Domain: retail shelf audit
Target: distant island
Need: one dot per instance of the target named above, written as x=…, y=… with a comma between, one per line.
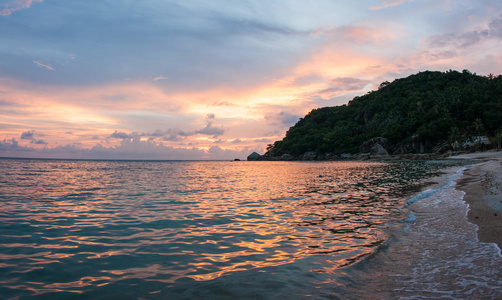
x=427, y=114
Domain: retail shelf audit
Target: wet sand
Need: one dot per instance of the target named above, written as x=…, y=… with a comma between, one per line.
x=482, y=184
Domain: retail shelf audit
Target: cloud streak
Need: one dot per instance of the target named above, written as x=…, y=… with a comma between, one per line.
x=42, y=65
x=389, y=3
x=8, y=7
x=466, y=39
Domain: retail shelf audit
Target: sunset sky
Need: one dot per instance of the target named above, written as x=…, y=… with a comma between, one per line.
x=161, y=79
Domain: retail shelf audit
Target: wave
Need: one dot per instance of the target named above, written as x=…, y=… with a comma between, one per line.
x=435, y=254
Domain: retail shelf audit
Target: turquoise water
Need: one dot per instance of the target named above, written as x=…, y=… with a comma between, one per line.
x=227, y=230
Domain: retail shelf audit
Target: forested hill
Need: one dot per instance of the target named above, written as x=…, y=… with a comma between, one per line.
x=427, y=109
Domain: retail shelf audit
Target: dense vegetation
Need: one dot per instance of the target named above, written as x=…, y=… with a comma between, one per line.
x=427, y=109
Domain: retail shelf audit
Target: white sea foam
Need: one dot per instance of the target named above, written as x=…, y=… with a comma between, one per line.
x=441, y=255
x=435, y=254
x=447, y=182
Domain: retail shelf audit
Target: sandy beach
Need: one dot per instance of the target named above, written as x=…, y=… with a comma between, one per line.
x=482, y=184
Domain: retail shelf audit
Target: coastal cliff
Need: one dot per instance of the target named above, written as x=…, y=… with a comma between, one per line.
x=429, y=113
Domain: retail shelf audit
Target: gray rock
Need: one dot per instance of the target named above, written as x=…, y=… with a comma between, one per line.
x=254, y=156
x=363, y=156
x=345, y=155
x=287, y=156
x=331, y=156
x=366, y=146
x=378, y=150
x=309, y=156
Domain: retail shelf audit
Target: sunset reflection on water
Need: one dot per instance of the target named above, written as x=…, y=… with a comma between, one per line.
x=87, y=226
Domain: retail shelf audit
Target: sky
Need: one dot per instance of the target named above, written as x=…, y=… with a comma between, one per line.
x=218, y=79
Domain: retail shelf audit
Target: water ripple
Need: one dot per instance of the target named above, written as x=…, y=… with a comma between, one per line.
x=106, y=228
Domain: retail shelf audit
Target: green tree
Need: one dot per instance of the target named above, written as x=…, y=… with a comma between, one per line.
x=431, y=108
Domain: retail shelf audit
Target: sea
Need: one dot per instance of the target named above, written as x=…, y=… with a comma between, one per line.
x=83, y=229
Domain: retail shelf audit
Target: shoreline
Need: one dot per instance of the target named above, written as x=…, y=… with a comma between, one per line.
x=482, y=185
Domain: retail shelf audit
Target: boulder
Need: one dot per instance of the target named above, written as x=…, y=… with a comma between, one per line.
x=345, y=155
x=287, y=156
x=330, y=156
x=402, y=149
x=366, y=146
x=254, y=156
x=309, y=155
x=363, y=156
x=378, y=150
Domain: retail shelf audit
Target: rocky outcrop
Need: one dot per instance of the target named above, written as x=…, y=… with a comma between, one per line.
x=309, y=156
x=330, y=156
x=287, y=157
x=363, y=156
x=254, y=156
x=367, y=146
x=378, y=151
x=374, y=148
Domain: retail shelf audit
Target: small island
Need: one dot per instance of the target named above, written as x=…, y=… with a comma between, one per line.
x=427, y=115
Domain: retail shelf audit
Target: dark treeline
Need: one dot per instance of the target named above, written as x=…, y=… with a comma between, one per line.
x=430, y=109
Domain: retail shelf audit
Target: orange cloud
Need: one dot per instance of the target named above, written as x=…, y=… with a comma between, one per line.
x=88, y=116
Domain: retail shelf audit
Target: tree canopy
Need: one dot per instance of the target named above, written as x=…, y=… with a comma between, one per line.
x=429, y=107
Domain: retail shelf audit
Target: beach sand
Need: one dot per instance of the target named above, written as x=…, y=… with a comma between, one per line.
x=482, y=184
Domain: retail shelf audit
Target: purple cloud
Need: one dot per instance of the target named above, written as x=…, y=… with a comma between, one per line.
x=38, y=142
x=27, y=135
